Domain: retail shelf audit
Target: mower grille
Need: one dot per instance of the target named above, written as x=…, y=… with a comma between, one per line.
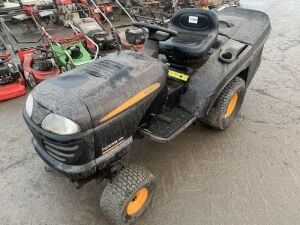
x=107, y=68
x=62, y=153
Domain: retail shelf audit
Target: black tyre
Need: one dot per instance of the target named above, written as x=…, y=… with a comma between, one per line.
x=227, y=105
x=31, y=81
x=70, y=66
x=63, y=69
x=128, y=195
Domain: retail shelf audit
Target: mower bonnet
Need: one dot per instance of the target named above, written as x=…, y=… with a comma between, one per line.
x=89, y=93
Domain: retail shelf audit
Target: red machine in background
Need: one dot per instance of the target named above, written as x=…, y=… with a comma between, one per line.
x=106, y=8
x=66, y=11
x=4, y=53
x=93, y=29
x=12, y=83
x=132, y=39
x=109, y=12
x=38, y=64
x=34, y=11
x=30, y=10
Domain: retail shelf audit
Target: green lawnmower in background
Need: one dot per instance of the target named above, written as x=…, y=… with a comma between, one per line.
x=68, y=50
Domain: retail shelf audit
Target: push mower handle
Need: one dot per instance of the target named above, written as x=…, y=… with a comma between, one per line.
x=153, y=28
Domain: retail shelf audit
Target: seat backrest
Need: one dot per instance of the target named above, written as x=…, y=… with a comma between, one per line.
x=195, y=22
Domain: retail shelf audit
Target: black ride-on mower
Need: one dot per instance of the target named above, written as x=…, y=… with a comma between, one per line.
x=198, y=69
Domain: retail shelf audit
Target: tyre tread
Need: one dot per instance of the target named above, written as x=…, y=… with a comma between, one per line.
x=213, y=118
x=118, y=191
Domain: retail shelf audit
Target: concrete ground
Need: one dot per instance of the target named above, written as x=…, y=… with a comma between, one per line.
x=247, y=175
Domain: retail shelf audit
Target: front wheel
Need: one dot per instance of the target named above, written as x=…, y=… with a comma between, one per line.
x=128, y=195
x=227, y=105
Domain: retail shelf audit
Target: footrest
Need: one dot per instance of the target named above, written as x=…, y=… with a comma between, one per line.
x=164, y=131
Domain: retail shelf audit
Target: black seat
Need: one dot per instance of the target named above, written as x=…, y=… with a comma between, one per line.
x=197, y=32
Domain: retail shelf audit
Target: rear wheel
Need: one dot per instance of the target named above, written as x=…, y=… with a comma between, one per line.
x=227, y=105
x=128, y=195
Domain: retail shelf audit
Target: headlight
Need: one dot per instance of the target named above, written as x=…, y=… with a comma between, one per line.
x=29, y=105
x=60, y=125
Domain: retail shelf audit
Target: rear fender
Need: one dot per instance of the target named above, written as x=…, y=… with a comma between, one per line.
x=246, y=72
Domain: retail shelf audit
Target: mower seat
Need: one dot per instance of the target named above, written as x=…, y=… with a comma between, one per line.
x=197, y=32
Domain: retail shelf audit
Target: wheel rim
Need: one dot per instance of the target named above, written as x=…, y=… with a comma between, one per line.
x=232, y=105
x=138, y=201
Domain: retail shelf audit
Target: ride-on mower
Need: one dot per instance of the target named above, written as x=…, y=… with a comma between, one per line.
x=12, y=83
x=198, y=69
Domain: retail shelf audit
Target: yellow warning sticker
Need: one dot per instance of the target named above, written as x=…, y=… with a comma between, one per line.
x=177, y=75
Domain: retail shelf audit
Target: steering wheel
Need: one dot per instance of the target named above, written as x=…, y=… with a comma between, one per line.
x=153, y=28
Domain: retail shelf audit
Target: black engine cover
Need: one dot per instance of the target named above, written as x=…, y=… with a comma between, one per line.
x=41, y=61
x=135, y=36
x=4, y=69
x=8, y=73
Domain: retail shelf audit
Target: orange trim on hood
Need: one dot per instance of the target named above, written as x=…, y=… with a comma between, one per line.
x=132, y=101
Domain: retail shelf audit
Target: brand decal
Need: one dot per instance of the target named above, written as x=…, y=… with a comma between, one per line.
x=111, y=146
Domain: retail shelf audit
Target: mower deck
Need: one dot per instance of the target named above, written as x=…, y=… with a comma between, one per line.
x=12, y=90
x=62, y=58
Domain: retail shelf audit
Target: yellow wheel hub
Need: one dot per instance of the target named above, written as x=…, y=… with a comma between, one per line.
x=137, y=202
x=232, y=105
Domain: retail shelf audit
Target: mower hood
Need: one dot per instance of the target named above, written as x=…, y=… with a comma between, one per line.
x=88, y=93
x=49, y=98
